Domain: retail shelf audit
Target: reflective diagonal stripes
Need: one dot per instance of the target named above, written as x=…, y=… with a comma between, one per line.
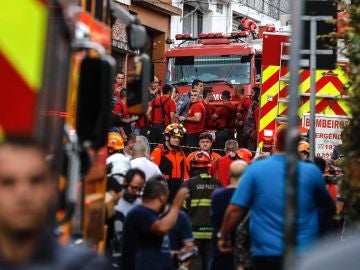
x=22, y=38
x=329, y=83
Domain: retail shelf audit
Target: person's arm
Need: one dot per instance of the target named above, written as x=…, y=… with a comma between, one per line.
x=172, y=117
x=148, y=114
x=155, y=156
x=195, y=118
x=123, y=133
x=231, y=218
x=181, y=104
x=164, y=225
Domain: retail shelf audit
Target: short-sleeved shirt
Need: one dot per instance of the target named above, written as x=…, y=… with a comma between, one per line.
x=243, y=107
x=181, y=232
x=262, y=189
x=226, y=115
x=121, y=108
x=220, y=169
x=168, y=105
x=209, y=111
x=139, y=240
x=196, y=127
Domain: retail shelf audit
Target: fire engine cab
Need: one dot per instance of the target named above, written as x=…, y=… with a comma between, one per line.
x=221, y=61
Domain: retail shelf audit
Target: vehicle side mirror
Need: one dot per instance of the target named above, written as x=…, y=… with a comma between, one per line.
x=94, y=100
x=136, y=36
x=138, y=85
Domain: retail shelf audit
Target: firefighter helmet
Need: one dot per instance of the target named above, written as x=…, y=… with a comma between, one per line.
x=304, y=146
x=244, y=154
x=115, y=141
x=117, y=167
x=201, y=159
x=175, y=129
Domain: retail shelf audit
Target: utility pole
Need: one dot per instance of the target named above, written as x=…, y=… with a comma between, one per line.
x=297, y=7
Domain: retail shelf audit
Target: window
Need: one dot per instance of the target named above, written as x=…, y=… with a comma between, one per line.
x=192, y=20
x=234, y=69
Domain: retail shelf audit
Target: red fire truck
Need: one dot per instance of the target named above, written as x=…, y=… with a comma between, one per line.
x=332, y=110
x=221, y=61
x=56, y=85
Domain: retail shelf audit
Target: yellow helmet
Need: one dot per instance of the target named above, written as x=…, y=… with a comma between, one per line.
x=115, y=141
x=175, y=129
x=304, y=146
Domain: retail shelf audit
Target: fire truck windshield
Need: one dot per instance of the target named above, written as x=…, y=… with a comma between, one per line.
x=231, y=69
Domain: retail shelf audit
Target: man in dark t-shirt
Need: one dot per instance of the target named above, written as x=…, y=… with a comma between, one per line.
x=146, y=244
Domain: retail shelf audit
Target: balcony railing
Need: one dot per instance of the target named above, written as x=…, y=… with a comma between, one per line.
x=271, y=8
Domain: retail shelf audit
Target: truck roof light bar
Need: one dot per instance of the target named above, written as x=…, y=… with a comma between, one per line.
x=183, y=37
x=239, y=34
x=211, y=35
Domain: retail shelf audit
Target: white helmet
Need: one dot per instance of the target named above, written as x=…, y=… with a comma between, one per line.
x=117, y=166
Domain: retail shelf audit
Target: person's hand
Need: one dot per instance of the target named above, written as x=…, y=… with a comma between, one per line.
x=182, y=118
x=181, y=195
x=224, y=245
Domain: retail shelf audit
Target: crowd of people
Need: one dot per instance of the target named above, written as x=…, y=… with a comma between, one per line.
x=170, y=207
x=235, y=118
x=185, y=158
x=192, y=207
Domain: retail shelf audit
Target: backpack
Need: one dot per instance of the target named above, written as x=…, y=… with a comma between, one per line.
x=249, y=123
x=161, y=107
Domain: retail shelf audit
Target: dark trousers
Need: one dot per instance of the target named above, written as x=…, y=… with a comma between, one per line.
x=222, y=261
x=191, y=140
x=201, y=261
x=241, y=138
x=221, y=136
x=267, y=262
x=144, y=131
x=156, y=135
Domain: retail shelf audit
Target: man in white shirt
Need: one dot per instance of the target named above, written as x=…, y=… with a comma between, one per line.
x=141, y=162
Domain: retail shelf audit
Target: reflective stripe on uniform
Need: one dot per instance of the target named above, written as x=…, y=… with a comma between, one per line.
x=202, y=235
x=200, y=202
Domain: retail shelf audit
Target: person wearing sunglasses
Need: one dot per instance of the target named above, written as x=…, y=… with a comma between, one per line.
x=134, y=181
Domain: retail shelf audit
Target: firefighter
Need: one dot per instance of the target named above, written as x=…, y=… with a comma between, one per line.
x=225, y=116
x=220, y=167
x=208, y=96
x=205, y=143
x=120, y=108
x=119, y=83
x=243, y=106
x=161, y=113
x=154, y=88
x=170, y=158
x=251, y=122
x=194, y=122
x=304, y=150
x=182, y=106
x=201, y=185
x=115, y=143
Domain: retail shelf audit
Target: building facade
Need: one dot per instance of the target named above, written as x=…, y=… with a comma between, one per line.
x=156, y=17
x=225, y=15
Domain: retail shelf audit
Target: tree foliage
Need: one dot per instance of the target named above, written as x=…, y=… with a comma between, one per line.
x=351, y=140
